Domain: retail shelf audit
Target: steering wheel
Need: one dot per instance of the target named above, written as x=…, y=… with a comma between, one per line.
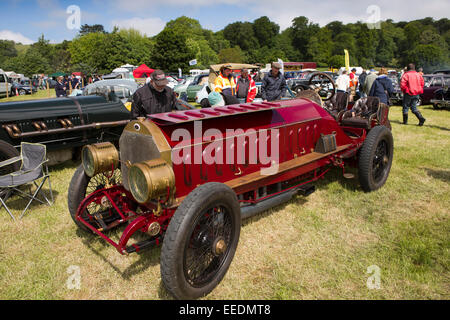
x=323, y=84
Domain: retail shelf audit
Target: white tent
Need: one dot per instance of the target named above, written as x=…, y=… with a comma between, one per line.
x=121, y=70
x=12, y=74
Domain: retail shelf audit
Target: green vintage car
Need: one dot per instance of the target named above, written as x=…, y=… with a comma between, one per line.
x=196, y=86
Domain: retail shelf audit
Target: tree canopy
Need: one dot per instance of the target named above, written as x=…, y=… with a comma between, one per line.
x=424, y=42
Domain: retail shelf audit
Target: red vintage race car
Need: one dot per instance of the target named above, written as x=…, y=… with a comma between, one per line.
x=188, y=178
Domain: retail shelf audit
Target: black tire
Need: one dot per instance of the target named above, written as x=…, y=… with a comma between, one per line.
x=22, y=92
x=186, y=234
x=375, y=158
x=81, y=186
x=7, y=151
x=77, y=193
x=205, y=103
x=436, y=106
x=298, y=89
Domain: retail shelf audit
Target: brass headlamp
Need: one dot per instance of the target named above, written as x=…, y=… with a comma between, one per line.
x=151, y=180
x=99, y=158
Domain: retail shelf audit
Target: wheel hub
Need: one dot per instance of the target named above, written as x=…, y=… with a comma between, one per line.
x=219, y=246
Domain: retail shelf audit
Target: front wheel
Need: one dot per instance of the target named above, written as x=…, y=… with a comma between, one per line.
x=200, y=241
x=81, y=186
x=375, y=159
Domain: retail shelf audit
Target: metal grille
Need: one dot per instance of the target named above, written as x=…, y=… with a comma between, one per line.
x=135, y=147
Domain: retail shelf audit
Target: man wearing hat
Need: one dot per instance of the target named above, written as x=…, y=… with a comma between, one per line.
x=274, y=84
x=226, y=85
x=154, y=97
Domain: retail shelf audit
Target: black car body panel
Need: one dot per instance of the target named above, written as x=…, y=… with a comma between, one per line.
x=44, y=121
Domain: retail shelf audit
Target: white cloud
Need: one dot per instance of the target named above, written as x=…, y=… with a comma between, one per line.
x=148, y=26
x=15, y=36
x=347, y=11
x=283, y=11
x=139, y=5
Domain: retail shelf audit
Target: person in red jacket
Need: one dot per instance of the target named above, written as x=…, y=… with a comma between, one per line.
x=412, y=86
x=246, y=87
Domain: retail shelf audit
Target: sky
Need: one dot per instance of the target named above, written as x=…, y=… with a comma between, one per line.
x=25, y=21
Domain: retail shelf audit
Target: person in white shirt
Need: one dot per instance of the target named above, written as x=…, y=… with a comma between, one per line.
x=343, y=82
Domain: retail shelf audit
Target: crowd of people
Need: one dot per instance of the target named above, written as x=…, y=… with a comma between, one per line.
x=243, y=87
x=380, y=85
x=157, y=97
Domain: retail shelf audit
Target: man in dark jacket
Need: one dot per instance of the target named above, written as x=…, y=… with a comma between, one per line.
x=154, y=97
x=60, y=88
x=382, y=87
x=274, y=84
x=362, y=79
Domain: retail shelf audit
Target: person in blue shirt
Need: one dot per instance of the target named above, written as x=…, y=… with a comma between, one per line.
x=382, y=87
x=75, y=83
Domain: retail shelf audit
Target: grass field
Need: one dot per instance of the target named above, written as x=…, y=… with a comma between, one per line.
x=319, y=247
x=40, y=94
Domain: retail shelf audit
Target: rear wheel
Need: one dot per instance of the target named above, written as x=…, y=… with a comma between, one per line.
x=375, y=158
x=22, y=92
x=298, y=90
x=200, y=241
x=7, y=151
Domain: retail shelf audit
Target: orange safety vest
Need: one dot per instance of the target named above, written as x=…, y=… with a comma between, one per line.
x=225, y=85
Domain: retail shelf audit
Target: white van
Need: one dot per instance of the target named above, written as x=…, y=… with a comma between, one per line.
x=5, y=84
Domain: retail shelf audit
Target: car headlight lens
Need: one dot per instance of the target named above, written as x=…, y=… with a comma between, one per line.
x=99, y=158
x=150, y=180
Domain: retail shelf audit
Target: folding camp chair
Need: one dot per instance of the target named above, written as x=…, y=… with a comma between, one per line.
x=33, y=167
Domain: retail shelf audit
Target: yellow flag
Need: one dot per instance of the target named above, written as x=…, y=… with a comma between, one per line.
x=347, y=60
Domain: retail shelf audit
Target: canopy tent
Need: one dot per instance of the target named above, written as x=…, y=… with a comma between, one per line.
x=214, y=69
x=56, y=74
x=141, y=70
x=76, y=74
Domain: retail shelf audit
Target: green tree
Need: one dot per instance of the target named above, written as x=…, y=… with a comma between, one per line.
x=96, y=28
x=429, y=56
x=265, y=31
x=90, y=50
x=7, y=50
x=366, y=44
x=320, y=46
x=336, y=61
x=241, y=34
x=302, y=31
x=203, y=53
x=60, y=59
x=190, y=28
x=232, y=55
x=28, y=63
x=171, y=52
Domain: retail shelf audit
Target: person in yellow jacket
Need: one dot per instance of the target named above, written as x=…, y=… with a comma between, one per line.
x=225, y=83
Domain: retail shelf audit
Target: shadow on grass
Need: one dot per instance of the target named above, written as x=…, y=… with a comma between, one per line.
x=147, y=258
x=425, y=125
x=443, y=175
x=16, y=202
